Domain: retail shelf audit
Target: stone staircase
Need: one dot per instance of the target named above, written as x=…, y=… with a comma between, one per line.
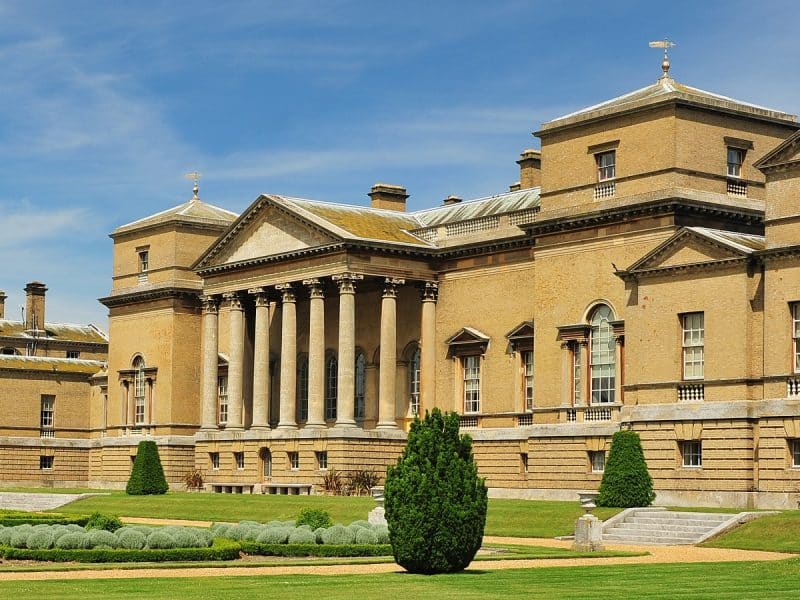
x=658, y=526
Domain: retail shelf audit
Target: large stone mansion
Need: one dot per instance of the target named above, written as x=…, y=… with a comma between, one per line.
x=303, y=336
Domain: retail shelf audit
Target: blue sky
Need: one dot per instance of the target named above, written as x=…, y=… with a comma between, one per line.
x=105, y=105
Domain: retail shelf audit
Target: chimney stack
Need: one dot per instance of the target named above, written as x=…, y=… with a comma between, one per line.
x=34, y=306
x=388, y=196
x=452, y=200
x=530, y=168
x=3, y=304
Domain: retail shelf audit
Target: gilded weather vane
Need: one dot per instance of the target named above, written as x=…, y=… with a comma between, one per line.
x=666, y=45
x=195, y=176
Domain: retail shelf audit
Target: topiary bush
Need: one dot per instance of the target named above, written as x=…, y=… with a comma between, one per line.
x=366, y=536
x=39, y=540
x=147, y=476
x=314, y=518
x=302, y=536
x=73, y=541
x=161, y=540
x=131, y=539
x=273, y=535
x=338, y=535
x=626, y=482
x=381, y=533
x=102, y=538
x=101, y=521
x=435, y=501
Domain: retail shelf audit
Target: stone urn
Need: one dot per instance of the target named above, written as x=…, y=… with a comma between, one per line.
x=588, y=501
x=377, y=516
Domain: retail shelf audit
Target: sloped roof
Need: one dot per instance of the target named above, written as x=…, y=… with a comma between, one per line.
x=192, y=211
x=62, y=332
x=51, y=365
x=480, y=207
x=784, y=153
x=667, y=89
x=741, y=242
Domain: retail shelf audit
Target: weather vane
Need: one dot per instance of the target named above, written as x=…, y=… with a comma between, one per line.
x=666, y=45
x=195, y=176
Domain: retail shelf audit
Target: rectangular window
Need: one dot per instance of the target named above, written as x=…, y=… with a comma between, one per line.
x=735, y=161
x=48, y=411
x=693, y=345
x=239, y=458
x=73, y=354
x=222, y=399
x=794, y=451
x=214, y=456
x=294, y=461
x=144, y=264
x=322, y=461
x=472, y=383
x=692, y=453
x=523, y=462
x=331, y=388
x=527, y=362
x=606, y=165
x=46, y=463
x=576, y=374
x=598, y=461
x=796, y=335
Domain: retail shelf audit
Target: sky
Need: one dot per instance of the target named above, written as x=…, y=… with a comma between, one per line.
x=105, y=106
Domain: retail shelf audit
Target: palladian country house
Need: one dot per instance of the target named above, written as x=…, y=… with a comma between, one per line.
x=643, y=274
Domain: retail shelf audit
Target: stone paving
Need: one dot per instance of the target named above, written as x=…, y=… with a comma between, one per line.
x=35, y=501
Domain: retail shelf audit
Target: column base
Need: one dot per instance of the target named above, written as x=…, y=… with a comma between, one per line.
x=287, y=426
x=391, y=425
x=234, y=428
x=315, y=425
x=261, y=427
x=345, y=424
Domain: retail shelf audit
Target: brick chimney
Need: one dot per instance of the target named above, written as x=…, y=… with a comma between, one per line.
x=3, y=304
x=452, y=200
x=530, y=169
x=34, y=306
x=388, y=196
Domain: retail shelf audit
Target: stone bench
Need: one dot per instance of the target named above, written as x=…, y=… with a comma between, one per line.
x=287, y=489
x=230, y=488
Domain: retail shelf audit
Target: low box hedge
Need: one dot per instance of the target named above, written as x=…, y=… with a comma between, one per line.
x=221, y=549
x=10, y=518
x=321, y=550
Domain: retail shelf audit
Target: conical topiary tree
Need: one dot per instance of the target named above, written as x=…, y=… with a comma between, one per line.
x=435, y=502
x=626, y=482
x=147, y=475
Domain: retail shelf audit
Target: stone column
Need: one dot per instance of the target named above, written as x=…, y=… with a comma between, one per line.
x=236, y=362
x=210, y=364
x=388, y=366
x=619, y=341
x=123, y=388
x=586, y=375
x=288, y=393
x=316, y=354
x=261, y=382
x=567, y=384
x=346, y=393
x=427, y=359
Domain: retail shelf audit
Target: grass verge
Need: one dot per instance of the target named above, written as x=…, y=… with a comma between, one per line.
x=772, y=533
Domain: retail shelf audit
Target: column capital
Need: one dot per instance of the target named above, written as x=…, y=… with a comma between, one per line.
x=566, y=345
x=234, y=300
x=347, y=282
x=314, y=288
x=210, y=304
x=619, y=339
x=287, y=292
x=390, y=287
x=429, y=291
x=261, y=295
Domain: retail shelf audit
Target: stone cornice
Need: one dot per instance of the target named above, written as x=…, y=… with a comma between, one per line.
x=685, y=268
x=150, y=294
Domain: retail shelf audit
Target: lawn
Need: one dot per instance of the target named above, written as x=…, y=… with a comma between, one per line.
x=695, y=581
x=776, y=533
x=519, y=518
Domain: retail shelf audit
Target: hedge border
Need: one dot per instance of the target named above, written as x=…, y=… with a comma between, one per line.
x=12, y=520
x=221, y=549
x=320, y=550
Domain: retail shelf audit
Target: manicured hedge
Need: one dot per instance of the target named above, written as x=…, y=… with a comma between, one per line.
x=316, y=549
x=147, y=475
x=10, y=518
x=220, y=550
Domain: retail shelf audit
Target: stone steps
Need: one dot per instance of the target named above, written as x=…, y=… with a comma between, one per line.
x=663, y=527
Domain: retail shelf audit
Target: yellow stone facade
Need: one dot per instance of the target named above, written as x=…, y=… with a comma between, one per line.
x=642, y=274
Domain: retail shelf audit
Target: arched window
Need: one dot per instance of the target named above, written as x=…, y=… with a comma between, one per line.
x=331, y=387
x=8, y=351
x=361, y=387
x=302, y=389
x=138, y=391
x=413, y=382
x=602, y=369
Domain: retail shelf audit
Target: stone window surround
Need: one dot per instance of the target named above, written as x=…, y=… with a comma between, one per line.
x=691, y=453
x=126, y=380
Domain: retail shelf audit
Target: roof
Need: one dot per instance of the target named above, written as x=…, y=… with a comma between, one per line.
x=51, y=365
x=664, y=90
x=61, y=332
x=192, y=211
x=741, y=242
x=480, y=207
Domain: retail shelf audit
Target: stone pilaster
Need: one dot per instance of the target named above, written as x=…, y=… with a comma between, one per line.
x=347, y=349
x=236, y=362
x=427, y=359
x=388, y=357
x=586, y=375
x=619, y=343
x=316, y=354
x=288, y=391
x=566, y=374
x=210, y=364
x=261, y=382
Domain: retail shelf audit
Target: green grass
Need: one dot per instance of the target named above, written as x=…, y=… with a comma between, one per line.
x=696, y=581
x=775, y=533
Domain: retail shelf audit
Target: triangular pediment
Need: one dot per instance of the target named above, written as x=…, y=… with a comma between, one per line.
x=522, y=331
x=694, y=246
x=785, y=154
x=267, y=228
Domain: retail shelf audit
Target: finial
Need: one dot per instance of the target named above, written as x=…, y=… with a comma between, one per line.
x=666, y=45
x=195, y=176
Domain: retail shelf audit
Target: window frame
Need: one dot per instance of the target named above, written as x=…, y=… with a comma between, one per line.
x=734, y=170
x=602, y=368
x=238, y=460
x=608, y=171
x=47, y=413
x=794, y=452
x=471, y=385
x=694, y=347
x=143, y=263
x=414, y=374
x=213, y=458
x=266, y=463
x=46, y=462
x=322, y=460
x=222, y=399
x=360, y=388
x=527, y=379
x=294, y=460
x=577, y=374
x=593, y=463
x=302, y=389
x=691, y=452
x=75, y=354
x=139, y=391
x=795, y=309
x=331, y=387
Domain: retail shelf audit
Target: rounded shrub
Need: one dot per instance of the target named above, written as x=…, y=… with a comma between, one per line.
x=362, y=524
x=243, y=532
x=160, y=540
x=366, y=536
x=186, y=539
x=40, y=540
x=102, y=521
x=626, y=482
x=19, y=537
x=318, y=534
x=5, y=535
x=147, y=475
x=314, y=518
x=278, y=524
x=381, y=534
x=101, y=537
x=73, y=541
x=131, y=539
x=220, y=529
x=338, y=535
x=273, y=535
x=302, y=536
x=435, y=501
